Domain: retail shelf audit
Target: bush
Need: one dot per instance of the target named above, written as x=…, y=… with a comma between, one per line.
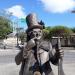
x=60, y=31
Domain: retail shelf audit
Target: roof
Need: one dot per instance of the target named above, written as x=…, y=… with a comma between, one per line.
x=73, y=34
x=11, y=35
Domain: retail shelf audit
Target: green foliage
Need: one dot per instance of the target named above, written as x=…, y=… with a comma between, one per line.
x=48, y=28
x=56, y=31
x=60, y=31
x=46, y=32
x=73, y=29
x=22, y=37
x=5, y=27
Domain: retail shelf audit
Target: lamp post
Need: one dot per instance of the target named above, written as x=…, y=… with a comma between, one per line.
x=17, y=37
x=16, y=30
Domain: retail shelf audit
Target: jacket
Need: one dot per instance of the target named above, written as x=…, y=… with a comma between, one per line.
x=44, y=46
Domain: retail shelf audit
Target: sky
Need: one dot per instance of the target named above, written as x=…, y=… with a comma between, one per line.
x=51, y=12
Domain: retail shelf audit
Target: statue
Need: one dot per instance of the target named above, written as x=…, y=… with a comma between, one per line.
x=38, y=53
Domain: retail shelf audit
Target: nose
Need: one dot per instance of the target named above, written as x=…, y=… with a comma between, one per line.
x=36, y=35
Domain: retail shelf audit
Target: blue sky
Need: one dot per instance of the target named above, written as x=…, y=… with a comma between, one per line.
x=52, y=12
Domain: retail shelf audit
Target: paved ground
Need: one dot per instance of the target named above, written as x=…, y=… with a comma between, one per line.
x=68, y=63
x=8, y=66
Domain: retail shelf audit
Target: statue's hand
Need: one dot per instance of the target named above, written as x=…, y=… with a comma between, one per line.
x=30, y=44
x=60, y=53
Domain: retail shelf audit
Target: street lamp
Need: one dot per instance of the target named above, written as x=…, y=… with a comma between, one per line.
x=15, y=29
x=18, y=29
x=17, y=37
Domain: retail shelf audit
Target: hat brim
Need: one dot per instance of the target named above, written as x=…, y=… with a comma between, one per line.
x=34, y=27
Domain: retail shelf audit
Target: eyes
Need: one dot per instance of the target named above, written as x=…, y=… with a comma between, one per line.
x=35, y=32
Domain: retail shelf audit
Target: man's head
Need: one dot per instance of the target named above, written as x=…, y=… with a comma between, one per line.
x=32, y=22
x=34, y=27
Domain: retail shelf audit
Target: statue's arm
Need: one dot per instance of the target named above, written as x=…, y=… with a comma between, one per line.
x=27, y=49
x=54, y=56
x=54, y=59
x=19, y=57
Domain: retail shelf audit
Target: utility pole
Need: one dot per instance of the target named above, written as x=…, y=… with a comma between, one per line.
x=17, y=37
x=17, y=30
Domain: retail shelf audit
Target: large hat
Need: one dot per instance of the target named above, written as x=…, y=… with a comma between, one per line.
x=32, y=22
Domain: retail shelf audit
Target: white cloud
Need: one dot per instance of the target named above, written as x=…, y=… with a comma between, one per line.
x=58, y=6
x=17, y=11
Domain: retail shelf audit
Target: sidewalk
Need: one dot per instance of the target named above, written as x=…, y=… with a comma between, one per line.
x=9, y=69
x=13, y=69
x=9, y=51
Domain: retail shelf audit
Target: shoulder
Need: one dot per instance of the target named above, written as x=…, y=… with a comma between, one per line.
x=46, y=45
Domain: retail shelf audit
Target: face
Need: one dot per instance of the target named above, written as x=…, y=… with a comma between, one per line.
x=36, y=33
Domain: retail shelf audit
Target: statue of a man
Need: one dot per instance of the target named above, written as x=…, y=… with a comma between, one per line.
x=37, y=53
